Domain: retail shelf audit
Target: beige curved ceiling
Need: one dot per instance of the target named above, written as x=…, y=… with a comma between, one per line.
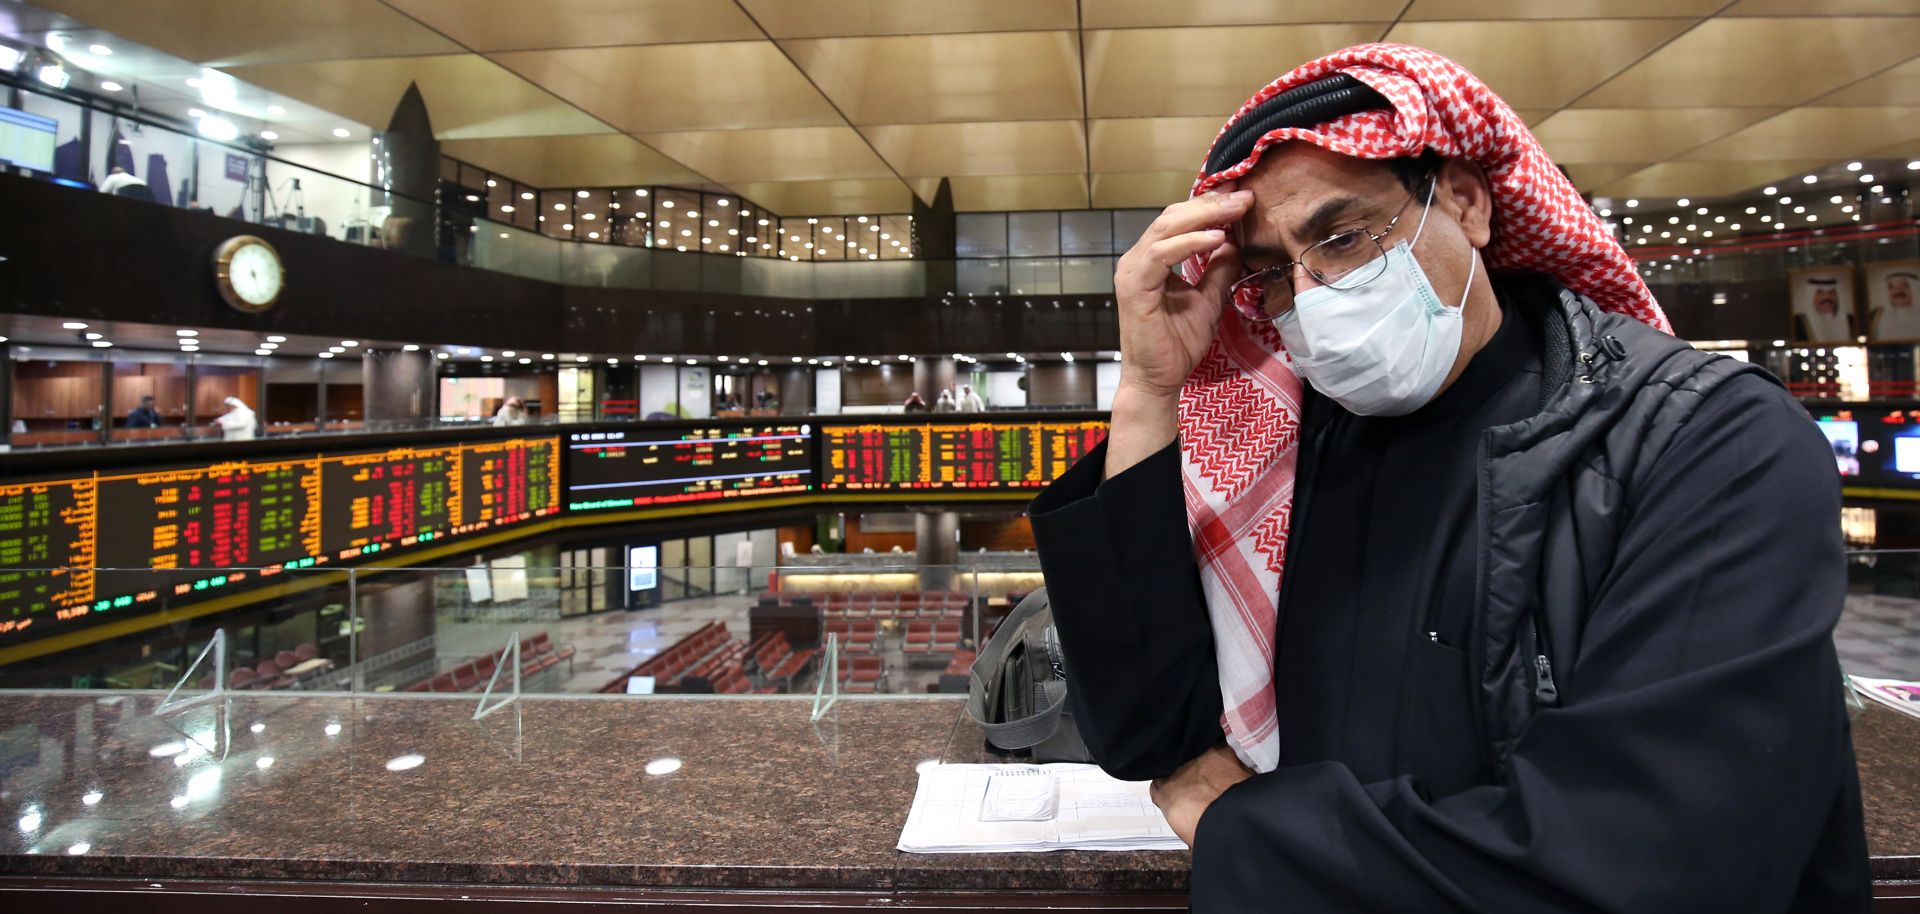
x=855, y=105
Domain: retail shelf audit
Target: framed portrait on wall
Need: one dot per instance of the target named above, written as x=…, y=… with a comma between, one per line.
x=1823, y=305
x=1892, y=310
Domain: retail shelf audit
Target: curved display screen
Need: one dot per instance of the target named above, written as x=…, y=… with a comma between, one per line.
x=649, y=467
x=273, y=514
x=952, y=456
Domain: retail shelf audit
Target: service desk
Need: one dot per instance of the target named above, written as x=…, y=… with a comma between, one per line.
x=407, y=803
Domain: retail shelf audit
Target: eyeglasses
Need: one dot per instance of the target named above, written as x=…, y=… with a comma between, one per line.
x=1345, y=261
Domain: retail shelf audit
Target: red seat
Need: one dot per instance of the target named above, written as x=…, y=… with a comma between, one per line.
x=863, y=674
x=420, y=686
x=286, y=660
x=306, y=652
x=946, y=635
x=465, y=676
x=442, y=683
x=795, y=663
x=240, y=678
x=861, y=638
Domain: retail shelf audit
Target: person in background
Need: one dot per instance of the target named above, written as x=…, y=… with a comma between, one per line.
x=122, y=183
x=238, y=422
x=970, y=402
x=512, y=412
x=144, y=415
x=733, y=401
x=914, y=404
x=945, y=403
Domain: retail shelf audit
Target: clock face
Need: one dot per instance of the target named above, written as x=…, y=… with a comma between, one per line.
x=250, y=274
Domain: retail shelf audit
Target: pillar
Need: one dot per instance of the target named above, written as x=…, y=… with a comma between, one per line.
x=932, y=375
x=406, y=164
x=397, y=387
x=936, y=543
x=934, y=235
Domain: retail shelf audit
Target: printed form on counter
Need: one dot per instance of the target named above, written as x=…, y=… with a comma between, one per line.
x=1900, y=695
x=988, y=809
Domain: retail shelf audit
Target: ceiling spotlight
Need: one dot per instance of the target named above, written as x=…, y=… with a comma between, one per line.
x=1809, y=179
x=219, y=129
x=581, y=194
x=328, y=355
x=486, y=358
x=101, y=344
x=342, y=132
x=442, y=355
x=275, y=110
x=1770, y=190
x=186, y=333
x=547, y=355
x=263, y=352
x=269, y=135
x=525, y=361
x=74, y=325
x=641, y=192
x=723, y=202
x=1681, y=202
x=1854, y=166
x=410, y=347
x=336, y=349
x=109, y=85
x=269, y=345
x=349, y=343
x=579, y=358
x=271, y=339
x=1632, y=203
x=95, y=336
x=189, y=347
x=1866, y=179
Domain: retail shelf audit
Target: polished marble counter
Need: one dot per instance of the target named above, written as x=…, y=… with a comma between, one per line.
x=707, y=793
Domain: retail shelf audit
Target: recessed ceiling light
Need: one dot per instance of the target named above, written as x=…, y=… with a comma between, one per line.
x=110, y=86
x=641, y=192
x=99, y=50
x=263, y=352
x=193, y=82
x=269, y=345
x=196, y=113
x=349, y=343
x=525, y=361
x=74, y=325
x=95, y=336
x=336, y=349
x=342, y=132
x=326, y=355
x=410, y=347
x=441, y=355
x=101, y=344
x=188, y=347
x=486, y=358
x=1809, y=179
x=269, y=135
x=275, y=339
x=547, y=355
x=579, y=358
x=1854, y=166
x=275, y=110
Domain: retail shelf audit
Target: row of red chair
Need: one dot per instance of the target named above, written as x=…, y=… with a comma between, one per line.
x=961, y=664
x=775, y=658
x=272, y=673
x=928, y=637
x=856, y=636
x=862, y=674
x=536, y=653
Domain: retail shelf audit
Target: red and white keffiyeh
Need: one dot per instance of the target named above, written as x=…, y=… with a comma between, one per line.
x=1240, y=409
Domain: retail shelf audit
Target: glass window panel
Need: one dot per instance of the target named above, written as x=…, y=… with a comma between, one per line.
x=833, y=239
x=981, y=276
x=675, y=215
x=450, y=169
x=1033, y=234
x=590, y=212
x=895, y=237
x=1034, y=275
x=760, y=231
x=1086, y=274
x=1086, y=232
x=557, y=206
x=980, y=235
x=1128, y=225
x=526, y=207
x=795, y=236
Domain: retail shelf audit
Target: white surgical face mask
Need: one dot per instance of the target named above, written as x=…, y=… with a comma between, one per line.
x=1384, y=348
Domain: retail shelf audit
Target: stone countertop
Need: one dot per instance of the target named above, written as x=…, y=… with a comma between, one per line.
x=407, y=789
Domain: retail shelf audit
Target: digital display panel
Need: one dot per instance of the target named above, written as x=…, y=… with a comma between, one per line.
x=272, y=514
x=960, y=456
x=1843, y=436
x=1874, y=446
x=643, y=467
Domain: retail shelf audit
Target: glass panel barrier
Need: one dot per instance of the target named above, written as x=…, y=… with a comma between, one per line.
x=727, y=628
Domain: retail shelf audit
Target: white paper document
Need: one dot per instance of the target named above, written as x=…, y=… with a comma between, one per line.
x=990, y=809
x=1897, y=694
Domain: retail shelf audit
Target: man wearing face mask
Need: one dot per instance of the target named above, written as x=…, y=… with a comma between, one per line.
x=1517, y=603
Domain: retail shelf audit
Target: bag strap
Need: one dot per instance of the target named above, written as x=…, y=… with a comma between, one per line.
x=1035, y=728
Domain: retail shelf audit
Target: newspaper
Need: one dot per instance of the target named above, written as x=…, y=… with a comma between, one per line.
x=987, y=809
x=1897, y=694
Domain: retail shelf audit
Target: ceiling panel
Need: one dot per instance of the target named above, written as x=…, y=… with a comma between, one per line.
x=1152, y=190
x=1152, y=143
x=1527, y=62
x=1759, y=62
x=1133, y=14
x=976, y=193
x=1000, y=148
x=826, y=18
x=1588, y=176
x=1702, y=180
x=220, y=32
x=18, y=19
x=467, y=95
x=780, y=154
x=1151, y=72
x=602, y=160
x=679, y=87
x=1425, y=10
x=1824, y=8
x=920, y=79
x=504, y=25
x=1813, y=133
x=1638, y=134
x=843, y=196
x=1899, y=85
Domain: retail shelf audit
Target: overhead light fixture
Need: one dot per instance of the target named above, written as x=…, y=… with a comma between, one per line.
x=219, y=129
x=1770, y=190
x=547, y=355
x=55, y=75
x=188, y=333
x=275, y=111
x=486, y=358
x=349, y=343
x=1066, y=356
x=328, y=355
x=579, y=358
x=269, y=345
x=74, y=325
x=269, y=135
x=189, y=347
x=1809, y=179
x=101, y=344
x=410, y=347
x=525, y=361
x=271, y=339
x=263, y=352
x=442, y=355
x=343, y=133
x=336, y=349
x=106, y=85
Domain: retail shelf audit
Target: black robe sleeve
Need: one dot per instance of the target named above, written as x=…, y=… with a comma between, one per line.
x=1125, y=593
x=1700, y=760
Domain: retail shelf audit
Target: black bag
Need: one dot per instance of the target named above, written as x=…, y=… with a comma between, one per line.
x=1018, y=693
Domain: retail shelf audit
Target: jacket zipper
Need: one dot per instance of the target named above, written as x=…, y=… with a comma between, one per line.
x=1544, y=690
